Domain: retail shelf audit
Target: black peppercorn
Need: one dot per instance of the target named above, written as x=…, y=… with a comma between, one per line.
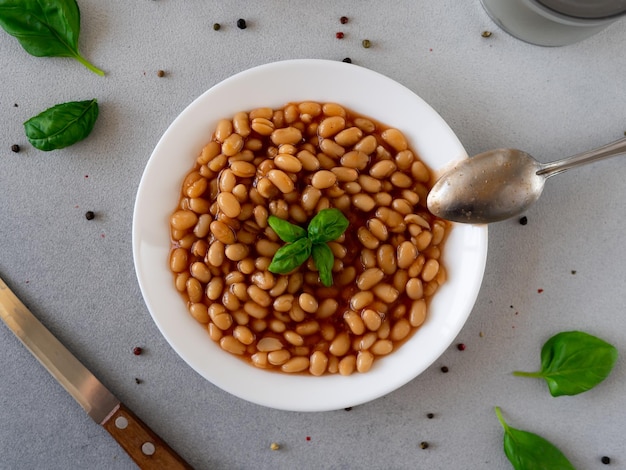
x=241, y=23
x=89, y=215
x=15, y=148
x=343, y=19
x=444, y=369
x=523, y=220
x=216, y=26
x=423, y=445
x=430, y=415
x=138, y=380
x=347, y=60
x=605, y=460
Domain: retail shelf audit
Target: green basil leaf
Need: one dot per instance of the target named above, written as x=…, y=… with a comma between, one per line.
x=573, y=362
x=528, y=451
x=290, y=256
x=324, y=259
x=47, y=28
x=287, y=231
x=327, y=225
x=62, y=125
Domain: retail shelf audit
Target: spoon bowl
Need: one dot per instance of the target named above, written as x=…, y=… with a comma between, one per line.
x=501, y=183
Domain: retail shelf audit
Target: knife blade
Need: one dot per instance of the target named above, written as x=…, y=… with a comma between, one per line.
x=142, y=444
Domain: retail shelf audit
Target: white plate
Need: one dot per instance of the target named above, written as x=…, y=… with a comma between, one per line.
x=362, y=91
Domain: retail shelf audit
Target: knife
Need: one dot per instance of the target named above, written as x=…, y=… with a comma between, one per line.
x=142, y=444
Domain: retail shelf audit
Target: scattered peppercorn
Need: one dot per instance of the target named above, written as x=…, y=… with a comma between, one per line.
x=423, y=445
x=274, y=446
x=15, y=106
x=523, y=220
x=430, y=415
x=216, y=26
x=15, y=148
x=605, y=460
x=137, y=351
x=138, y=380
x=444, y=369
x=460, y=347
x=347, y=60
x=241, y=23
x=486, y=34
x=89, y=215
x=348, y=409
x=366, y=43
x=339, y=35
x=573, y=271
x=343, y=19
x=160, y=73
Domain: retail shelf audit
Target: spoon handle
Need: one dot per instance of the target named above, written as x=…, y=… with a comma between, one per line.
x=606, y=151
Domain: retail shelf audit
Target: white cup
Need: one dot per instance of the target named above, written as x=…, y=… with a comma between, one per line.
x=554, y=22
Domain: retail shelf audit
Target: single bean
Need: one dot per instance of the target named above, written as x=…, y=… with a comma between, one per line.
x=223, y=129
x=308, y=160
x=382, y=169
x=200, y=312
x=354, y=322
x=414, y=289
x=281, y=180
x=367, y=239
x=236, y=251
x=364, y=361
x=407, y=254
x=232, y=345
x=365, y=125
x=178, y=260
x=184, y=219
x=269, y=343
x=417, y=314
x=318, y=363
x=401, y=180
x=243, y=334
x=222, y=232
x=395, y=138
x=209, y=152
x=243, y=169
x=371, y=319
x=331, y=148
x=214, y=288
x=296, y=364
x=400, y=330
x=279, y=357
x=340, y=345
x=229, y=205
x=360, y=300
x=201, y=272
x=323, y=179
x=331, y=126
x=286, y=135
x=386, y=292
x=288, y=163
x=370, y=184
x=382, y=347
x=378, y=228
x=255, y=310
x=430, y=270
x=262, y=126
x=363, y=202
x=386, y=259
x=347, y=365
x=369, y=278
x=232, y=145
x=259, y=296
x=349, y=137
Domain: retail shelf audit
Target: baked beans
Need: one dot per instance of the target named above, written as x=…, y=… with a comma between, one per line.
x=292, y=163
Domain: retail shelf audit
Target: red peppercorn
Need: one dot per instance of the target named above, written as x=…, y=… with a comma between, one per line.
x=460, y=347
x=137, y=351
x=339, y=35
x=343, y=19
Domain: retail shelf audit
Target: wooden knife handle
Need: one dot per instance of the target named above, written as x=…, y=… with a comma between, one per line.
x=147, y=449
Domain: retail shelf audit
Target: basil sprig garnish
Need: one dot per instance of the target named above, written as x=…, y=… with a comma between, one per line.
x=326, y=226
x=45, y=28
x=528, y=451
x=573, y=362
x=62, y=125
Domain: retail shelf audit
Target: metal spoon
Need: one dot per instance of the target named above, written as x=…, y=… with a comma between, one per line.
x=502, y=183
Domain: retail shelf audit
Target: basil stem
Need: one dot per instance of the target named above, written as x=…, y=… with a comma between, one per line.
x=528, y=451
x=62, y=125
x=287, y=231
x=573, y=362
x=327, y=225
x=45, y=28
x=324, y=260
